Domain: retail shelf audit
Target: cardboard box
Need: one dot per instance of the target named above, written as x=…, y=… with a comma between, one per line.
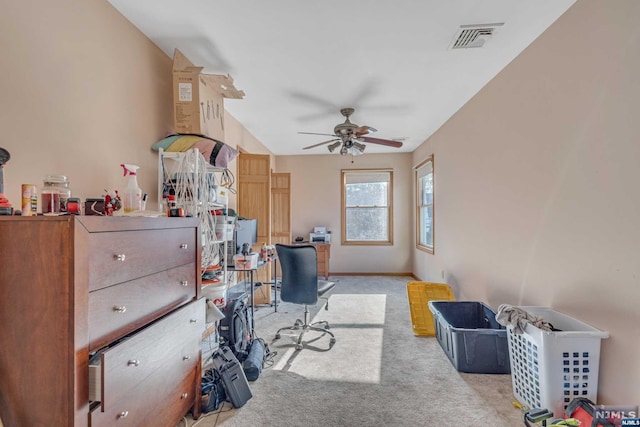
x=198, y=99
x=245, y=262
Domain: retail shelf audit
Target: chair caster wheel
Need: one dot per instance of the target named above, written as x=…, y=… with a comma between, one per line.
x=332, y=341
x=327, y=327
x=298, y=346
x=326, y=307
x=277, y=336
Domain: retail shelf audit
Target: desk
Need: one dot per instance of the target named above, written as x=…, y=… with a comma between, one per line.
x=251, y=272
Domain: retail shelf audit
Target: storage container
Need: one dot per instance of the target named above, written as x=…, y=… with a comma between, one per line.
x=470, y=336
x=419, y=294
x=54, y=194
x=551, y=368
x=246, y=262
x=215, y=291
x=224, y=230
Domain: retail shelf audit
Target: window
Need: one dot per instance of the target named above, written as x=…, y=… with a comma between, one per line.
x=367, y=207
x=424, y=205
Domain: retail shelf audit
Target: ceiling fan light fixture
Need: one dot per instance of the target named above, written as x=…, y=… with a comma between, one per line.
x=333, y=146
x=344, y=151
x=359, y=147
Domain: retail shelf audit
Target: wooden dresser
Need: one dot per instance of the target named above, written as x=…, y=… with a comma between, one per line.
x=324, y=251
x=119, y=294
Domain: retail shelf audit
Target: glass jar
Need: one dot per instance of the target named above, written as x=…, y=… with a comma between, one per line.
x=54, y=194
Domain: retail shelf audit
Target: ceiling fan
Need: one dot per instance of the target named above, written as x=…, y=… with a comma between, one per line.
x=351, y=137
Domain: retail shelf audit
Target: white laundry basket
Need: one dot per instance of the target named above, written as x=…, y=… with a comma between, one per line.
x=550, y=369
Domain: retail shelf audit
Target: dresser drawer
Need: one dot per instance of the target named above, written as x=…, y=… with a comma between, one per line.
x=160, y=401
x=171, y=345
x=119, y=310
x=121, y=256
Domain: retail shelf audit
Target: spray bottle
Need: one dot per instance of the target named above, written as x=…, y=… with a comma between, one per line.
x=132, y=198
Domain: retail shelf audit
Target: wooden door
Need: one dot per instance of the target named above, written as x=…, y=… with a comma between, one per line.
x=254, y=192
x=281, y=208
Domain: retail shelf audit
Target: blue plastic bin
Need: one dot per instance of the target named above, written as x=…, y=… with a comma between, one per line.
x=470, y=336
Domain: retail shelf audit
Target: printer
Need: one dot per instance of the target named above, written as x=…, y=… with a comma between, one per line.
x=320, y=235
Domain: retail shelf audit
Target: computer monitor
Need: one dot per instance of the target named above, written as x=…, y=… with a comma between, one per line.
x=246, y=232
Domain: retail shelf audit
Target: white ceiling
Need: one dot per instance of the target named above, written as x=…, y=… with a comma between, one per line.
x=299, y=62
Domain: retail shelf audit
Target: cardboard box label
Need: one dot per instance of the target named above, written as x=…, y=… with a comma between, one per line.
x=185, y=92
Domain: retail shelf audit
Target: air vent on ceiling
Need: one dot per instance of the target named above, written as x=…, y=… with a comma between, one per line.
x=469, y=36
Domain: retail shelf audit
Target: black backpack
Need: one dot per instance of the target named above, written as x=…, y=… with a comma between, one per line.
x=235, y=328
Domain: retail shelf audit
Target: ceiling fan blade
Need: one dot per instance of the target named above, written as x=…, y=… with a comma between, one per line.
x=312, y=99
x=313, y=133
x=321, y=143
x=387, y=142
x=363, y=130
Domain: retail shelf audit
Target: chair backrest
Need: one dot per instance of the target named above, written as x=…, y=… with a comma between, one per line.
x=299, y=264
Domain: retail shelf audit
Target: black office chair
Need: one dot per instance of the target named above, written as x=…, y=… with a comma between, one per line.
x=300, y=285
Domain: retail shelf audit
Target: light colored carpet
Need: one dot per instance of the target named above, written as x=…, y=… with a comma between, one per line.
x=377, y=374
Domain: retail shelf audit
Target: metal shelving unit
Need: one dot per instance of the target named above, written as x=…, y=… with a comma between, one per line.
x=186, y=175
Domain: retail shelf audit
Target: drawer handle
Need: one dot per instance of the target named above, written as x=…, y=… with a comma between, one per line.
x=119, y=308
x=123, y=414
x=133, y=363
x=193, y=321
x=184, y=396
x=184, y=283
x=120, y=257
x=186, y=357
x=183, y=246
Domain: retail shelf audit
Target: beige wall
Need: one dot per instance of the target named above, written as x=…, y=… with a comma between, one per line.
x=240, y=138
x=82, y=91
x=536, y=181
x=315, y=197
